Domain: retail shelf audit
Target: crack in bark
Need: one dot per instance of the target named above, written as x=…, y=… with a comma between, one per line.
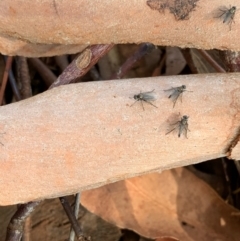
x=55, y=7
x=232, y=144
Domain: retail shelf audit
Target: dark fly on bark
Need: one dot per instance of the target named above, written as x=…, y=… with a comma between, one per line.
x=182, y=126
x=227, y=14
x=176, y=93
x=145, y=97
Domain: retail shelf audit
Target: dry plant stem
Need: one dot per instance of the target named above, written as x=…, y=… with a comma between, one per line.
x=142, y=50
x=14, y=86
x=5, y=77
x=231, y=60
x=27, y=229
x=24, y=77
x=211, y=61
x=188, y=57
x=15, y=227
x=76, y=211
x=12, y=82
x=229, y=198
x=72, y=218
x=237, y=164
x=62, y=61
x=43, y=70
x=72, y=72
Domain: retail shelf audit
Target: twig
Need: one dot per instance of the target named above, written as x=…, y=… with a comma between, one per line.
x=27, y=229
x=5, y=77
x=237, y=164
x=142, y=50
x=211, y=61
x=13, y=83
x=24, y=77
x=76, y=211
x=15, y=227
x=61, y=61
x=14, y=86
x=188, y=57
x=229, y=198
x=43, y=70
x=72, y=219
x=72, y=72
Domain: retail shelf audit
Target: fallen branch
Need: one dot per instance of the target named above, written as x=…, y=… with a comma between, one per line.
x=55, y=29
x=80, y=136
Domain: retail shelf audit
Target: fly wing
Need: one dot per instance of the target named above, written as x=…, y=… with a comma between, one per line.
x=175, y=95
x=180, y=129
x=184, y=129
x=148, y=96
x=171, y=89
x=226, y=14
x=220, y=12
x=228, y=17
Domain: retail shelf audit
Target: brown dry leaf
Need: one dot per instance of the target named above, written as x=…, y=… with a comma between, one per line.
x=200, y=62
x=167, y=239
x=110, y=63
x=175, y=61
x=175, y=203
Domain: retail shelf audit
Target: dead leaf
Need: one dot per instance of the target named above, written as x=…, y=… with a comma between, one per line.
x=175, y=203
x=175, y=61
x=167, y=239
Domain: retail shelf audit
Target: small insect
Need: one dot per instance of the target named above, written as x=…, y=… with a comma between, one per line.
x=182, y=126
x=176, y=93
x=146, y=97
x=227, y=14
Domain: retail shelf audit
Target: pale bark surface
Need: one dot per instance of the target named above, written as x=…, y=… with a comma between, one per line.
x=50, y=27
x=81, y=136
